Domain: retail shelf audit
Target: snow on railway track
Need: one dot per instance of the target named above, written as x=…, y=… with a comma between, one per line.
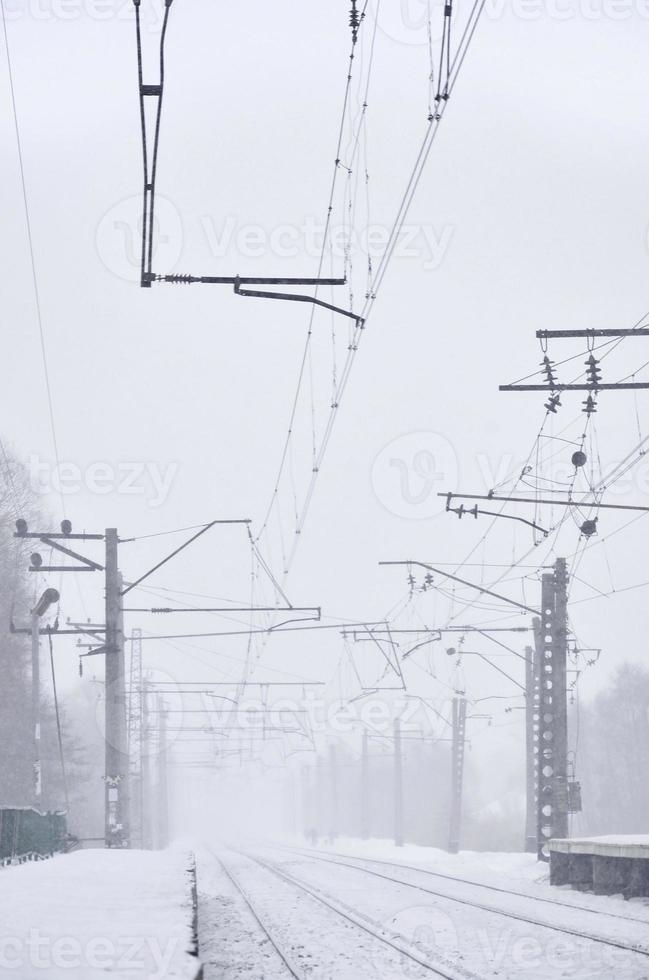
x=574, y=904
x=615, y=935
x=360, y=864
x=315, y=935
x=375, y=929
x=259, y=918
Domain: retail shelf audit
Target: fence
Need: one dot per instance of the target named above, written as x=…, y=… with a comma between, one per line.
x=26, y=834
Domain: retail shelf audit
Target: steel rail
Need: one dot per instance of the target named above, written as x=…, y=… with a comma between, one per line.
x=258, y=918
x=486, y=908
x=400, y=948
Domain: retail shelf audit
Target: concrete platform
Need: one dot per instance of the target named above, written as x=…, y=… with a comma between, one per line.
x=100, y=915
x=611, y=865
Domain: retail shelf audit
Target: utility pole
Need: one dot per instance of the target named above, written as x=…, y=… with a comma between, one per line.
x=116, y=773
x=291, y=804
x=37, y=781
x=145, y=766
x=49, y=597
x=552, y=817
x=319, y=797
x=365, y=788
x=398, y=785
x=116, y=761
x=135, y=732
x=457, y=771
x=162, y=803
x=306, y=801
x=333, y=805
x=117, y=768
x=532, y=728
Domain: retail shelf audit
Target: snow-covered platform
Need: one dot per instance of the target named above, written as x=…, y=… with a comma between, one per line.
x=107, y=914
x=616, y=864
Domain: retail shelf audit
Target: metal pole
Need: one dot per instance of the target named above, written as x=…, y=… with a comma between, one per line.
x=319, y=797
x=116, y=762
x=134, y=730
x=292, y=803
x=48, y=597
x=163, y=791
x=552, y=804
x=398, y=785
x=125, y=764
x=306, y=817
x=457, y=772
x=560, y=642
x=37, y=785
x=333, y=808
x=365, y=788
x=145, y=768
x=532, y=721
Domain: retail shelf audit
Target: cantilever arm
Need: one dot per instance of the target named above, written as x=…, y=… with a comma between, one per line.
x=297, y=299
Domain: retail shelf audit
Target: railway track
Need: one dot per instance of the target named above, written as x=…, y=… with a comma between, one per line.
x=374, y=930
x=260, y=920
x=336, y=856
x=518, y=916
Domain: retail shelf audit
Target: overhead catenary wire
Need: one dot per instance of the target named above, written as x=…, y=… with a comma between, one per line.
x=402, y=212
x=305, y=354
x=556, y=529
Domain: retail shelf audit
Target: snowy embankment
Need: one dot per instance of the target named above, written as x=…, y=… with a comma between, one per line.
x=95, y=914
x=516, y=868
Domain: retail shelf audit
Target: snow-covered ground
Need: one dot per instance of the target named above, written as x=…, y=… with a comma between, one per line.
x=522, y=868
x=114, y=915
x=491, y=915
x=519, y=872
x=349, y=911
